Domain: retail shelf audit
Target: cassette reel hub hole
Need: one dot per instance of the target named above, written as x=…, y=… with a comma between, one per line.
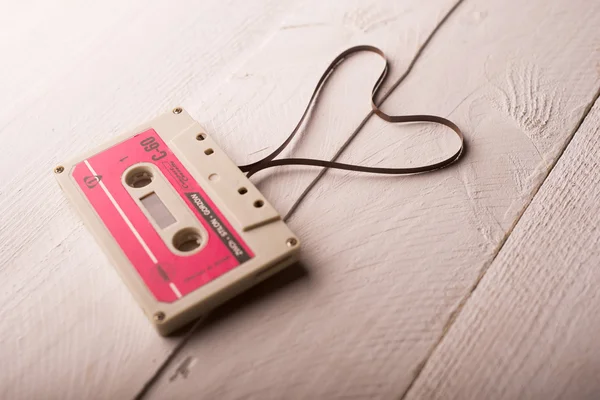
x=139, y=177
x=187, y=240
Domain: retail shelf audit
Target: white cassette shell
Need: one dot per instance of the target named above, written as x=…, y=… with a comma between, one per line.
x=245, y=209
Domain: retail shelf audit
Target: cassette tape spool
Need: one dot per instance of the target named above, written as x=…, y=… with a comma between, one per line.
x=182, y=224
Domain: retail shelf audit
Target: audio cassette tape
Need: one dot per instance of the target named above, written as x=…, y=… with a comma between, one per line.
x=183, y=225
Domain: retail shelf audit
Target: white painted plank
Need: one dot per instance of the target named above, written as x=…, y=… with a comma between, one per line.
x=390, y=259
x=530, y=330
x=75, y=74
x=76, y=89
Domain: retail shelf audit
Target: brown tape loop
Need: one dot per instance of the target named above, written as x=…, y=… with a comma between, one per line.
x=269, y=161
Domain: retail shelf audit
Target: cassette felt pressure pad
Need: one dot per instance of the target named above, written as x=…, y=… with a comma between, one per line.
x=182, y=224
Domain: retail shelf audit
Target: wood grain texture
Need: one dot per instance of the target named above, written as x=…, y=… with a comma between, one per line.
x=530, y=330
x=388, y=260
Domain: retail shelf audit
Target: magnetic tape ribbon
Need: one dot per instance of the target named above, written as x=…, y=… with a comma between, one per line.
x=269, y=161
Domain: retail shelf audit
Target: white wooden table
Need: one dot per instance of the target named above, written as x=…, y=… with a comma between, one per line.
x=477, y=281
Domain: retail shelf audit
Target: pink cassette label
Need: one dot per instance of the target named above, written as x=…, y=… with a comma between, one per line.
x=167, y=275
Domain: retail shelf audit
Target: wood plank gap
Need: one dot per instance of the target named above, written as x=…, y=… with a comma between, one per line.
x=453, y=316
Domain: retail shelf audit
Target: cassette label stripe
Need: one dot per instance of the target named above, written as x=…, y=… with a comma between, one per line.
x=167, y=275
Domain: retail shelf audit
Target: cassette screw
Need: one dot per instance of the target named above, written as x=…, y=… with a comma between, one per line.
x=177, y=110
x=159, y=316
x=59, y=170
x=291, y=242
